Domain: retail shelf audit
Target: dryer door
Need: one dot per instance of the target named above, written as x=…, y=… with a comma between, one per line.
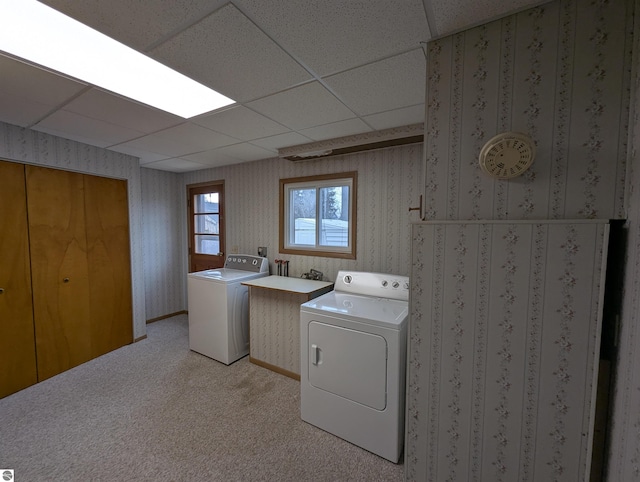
x=348, y=363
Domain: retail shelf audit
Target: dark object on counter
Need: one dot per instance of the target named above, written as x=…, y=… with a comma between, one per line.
x=313, y=274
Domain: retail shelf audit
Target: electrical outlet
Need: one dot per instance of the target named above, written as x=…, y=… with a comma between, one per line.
x=262, y=251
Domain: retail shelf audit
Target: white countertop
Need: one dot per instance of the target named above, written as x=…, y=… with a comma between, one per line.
x=286, y=283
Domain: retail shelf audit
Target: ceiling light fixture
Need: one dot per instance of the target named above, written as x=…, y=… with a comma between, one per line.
x=45, y=37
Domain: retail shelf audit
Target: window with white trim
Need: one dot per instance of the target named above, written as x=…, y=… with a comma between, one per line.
x=318, y=215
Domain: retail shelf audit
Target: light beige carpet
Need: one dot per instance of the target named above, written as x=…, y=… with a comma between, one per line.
x=154, y=410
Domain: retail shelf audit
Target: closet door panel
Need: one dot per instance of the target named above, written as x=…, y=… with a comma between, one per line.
x=17, y=344
x=60, y=270
x=107, y=220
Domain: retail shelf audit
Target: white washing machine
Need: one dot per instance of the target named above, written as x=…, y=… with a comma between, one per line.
x=219, y=307
x=353, y=351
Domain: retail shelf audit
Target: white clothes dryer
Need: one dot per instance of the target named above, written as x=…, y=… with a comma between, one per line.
x=219, y=307
x=353, y=360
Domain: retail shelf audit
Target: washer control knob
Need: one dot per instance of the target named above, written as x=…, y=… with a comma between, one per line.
x=347, y=279
x=395, y=284
x=255, y=262
x=385, y=283
x=406, y=285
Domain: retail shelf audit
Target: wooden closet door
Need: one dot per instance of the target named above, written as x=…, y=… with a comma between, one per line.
x=17, y=343
x=107, y=220
x=59, y=269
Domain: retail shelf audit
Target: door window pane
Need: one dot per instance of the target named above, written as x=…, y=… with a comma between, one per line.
x=207, y=223
x=207, y=244
x=206, y=203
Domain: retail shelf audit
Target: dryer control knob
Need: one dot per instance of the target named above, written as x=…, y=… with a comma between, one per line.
x=385, y=283
x=347, y=279
x=395, y=284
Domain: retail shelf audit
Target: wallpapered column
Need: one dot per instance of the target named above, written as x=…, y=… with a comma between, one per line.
x=503, y=348
x=559, y=73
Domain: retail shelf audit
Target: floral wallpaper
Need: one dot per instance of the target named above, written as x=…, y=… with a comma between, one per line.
x=559, y=73
x=389, y=182
x=503, y=345
x=164, y=247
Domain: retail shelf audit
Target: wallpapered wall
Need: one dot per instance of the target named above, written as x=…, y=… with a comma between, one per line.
x=31, y=147
x=388, y=184
x=502, y=349
x=562, y=74
x=164, y=245
x=558, y=73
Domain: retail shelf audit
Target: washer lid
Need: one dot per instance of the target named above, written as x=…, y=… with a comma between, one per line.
x=365, y=309
x=225, y=275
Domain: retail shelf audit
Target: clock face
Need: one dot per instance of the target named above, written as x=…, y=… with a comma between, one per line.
x=507, y=155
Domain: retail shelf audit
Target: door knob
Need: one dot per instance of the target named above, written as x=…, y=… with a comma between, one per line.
x=1, y=290
x=65, y=280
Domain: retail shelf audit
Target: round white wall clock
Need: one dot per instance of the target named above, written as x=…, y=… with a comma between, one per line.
x=507, y=155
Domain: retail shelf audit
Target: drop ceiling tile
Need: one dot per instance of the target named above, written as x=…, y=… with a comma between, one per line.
x=114, y=109
x=24, y=80
x=176, y=165
x=343, y=34
x=302, y=107
x=123, y=19
x=389, y=84
x=38, y=90
x=227, y=52
x=21, y=111
x=144, y=156
x=247, y=152
x=212, y=157
x=84, y=129
x=241, y=123
x=336, y=129
x=397, y=117
x=282, y=140
x=181, y=140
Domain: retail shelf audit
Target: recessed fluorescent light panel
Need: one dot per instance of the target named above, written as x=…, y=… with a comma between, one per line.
x=43, y=36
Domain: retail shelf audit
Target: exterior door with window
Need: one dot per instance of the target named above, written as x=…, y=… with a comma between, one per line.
x=206, y=226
